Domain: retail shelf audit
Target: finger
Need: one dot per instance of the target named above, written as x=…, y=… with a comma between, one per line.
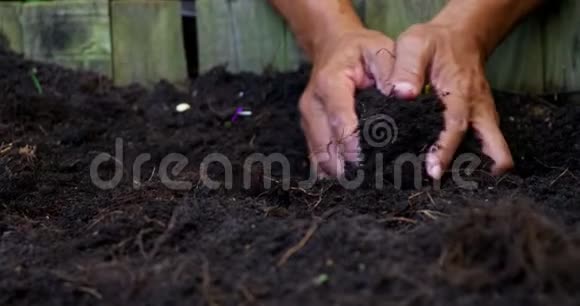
x=323, y=152
x=456, y=117
x=413, y=56
x=338, y=98
x=494, y=145
x=314, y=165
x=379, y=61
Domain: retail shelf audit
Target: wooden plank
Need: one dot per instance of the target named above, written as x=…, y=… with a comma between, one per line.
x=246, y=35
x=10, y=26
x=561, y=39
x=259, y=36
x=215, y=37
x=147, y=41
x=74, y=33
x=517, y=64
x=393, y=17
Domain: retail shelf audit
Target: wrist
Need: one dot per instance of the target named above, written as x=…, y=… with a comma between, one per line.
x=315, y=23
x=326, y=37
x=487, y=22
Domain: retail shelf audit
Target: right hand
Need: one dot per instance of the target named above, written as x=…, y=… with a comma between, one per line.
x=353, y=60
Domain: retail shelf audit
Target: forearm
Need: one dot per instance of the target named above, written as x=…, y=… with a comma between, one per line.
x=315, y=21
x=488, y=21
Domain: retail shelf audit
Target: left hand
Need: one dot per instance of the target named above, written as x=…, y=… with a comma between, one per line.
x=452, y=60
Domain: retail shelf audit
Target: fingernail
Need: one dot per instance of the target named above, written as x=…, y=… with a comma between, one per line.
x=434, y=167
x=405, y=90
x=435, y=172
x=352, y=150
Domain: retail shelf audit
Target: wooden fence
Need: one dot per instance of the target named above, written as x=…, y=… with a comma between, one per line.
x=541, y=55
x=127, y=40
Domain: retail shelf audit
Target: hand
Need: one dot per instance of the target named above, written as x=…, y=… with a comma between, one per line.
x=354, y=59
x=452, y=60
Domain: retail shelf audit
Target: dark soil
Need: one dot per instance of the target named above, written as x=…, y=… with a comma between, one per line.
x=512, y=240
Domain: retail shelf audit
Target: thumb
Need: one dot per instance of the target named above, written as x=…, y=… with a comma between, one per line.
x=379, y=61
x=413, y=56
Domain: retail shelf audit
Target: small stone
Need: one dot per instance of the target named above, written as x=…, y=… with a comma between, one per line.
x=182, y=107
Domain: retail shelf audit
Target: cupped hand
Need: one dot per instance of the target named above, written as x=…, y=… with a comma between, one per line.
x=355, y=59
x=452, y=61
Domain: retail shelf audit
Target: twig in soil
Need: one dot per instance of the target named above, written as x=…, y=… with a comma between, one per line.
x=76, y=282
x=415, y=195
x=431, y=199
x=206, y=283
x=5, y=148
x=432, y=214
x=155, y=221
x=152, y=174
x=559, y=177
x=398, y=219
x=103, y=217
x=139, y=242
x=166, y=234
x=252, y=141
x=291, y=251
x=320, y=197
x=91, y=291
x=250, y=298
x=42, y=130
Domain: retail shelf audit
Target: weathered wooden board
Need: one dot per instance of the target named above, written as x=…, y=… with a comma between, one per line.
x=562, y=46
x=517, y=64
x=147, y=41
x=74, y=33
x=215, y=36
x=259, y=36
x=10, y=27
x=393, y=17
x=244, y=35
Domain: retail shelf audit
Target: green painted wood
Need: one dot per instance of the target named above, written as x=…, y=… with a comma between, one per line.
x=10, y=26
x=246, y=35
x=74, y=33
x=243, y=35
x=562, y=46
x=147, y=41
x=259, y=36
x=393, y=17
x=517, y=64
x=215, y=35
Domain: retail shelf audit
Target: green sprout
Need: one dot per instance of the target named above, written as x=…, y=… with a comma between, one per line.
x=35, y=80
x=320, y=279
